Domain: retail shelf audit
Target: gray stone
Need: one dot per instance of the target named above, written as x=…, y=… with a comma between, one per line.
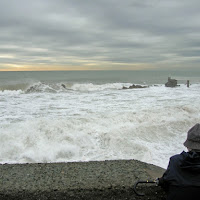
x=171, y=83
x=63, y=85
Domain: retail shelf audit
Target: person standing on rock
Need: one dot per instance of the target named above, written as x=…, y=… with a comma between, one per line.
x=181, y=180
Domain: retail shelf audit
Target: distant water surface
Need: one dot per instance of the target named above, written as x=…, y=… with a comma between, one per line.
x=98, y=77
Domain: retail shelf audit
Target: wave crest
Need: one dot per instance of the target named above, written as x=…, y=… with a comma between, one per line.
x=82, y=87
x=44, y=87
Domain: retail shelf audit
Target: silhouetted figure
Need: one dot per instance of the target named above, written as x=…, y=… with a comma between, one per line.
x=181, y=180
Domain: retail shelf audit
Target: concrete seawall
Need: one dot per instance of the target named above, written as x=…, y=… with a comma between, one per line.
x=79, y=180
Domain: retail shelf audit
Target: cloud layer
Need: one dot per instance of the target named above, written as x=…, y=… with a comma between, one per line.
x=114, y=34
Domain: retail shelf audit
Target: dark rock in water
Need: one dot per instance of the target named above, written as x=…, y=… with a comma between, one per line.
x=137, y=86
x=134, y=86
x=171, y=83
x=63, y=86
x=79, y=180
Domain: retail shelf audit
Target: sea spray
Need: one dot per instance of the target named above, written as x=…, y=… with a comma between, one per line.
x=46, y=122
x=148, y=125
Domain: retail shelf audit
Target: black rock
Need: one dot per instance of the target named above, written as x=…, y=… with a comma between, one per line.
x=134, y=87
x=171, y=83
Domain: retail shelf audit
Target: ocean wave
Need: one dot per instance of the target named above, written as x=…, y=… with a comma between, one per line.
x=94, y=87
x=40, y=87
x=14, y=86
x=95, y=137
x=149, y=125
x=43, y=87
x=82, y=87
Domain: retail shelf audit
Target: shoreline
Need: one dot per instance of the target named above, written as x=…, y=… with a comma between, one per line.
x=112, y=179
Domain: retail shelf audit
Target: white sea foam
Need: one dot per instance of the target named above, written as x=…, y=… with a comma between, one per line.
x=39, y=87
x=99, y=123
x=100, y=87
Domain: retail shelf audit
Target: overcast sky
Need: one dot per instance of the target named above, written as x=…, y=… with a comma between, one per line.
x=99, y=34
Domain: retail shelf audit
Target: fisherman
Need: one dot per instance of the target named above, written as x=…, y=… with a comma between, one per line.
x=181, y=180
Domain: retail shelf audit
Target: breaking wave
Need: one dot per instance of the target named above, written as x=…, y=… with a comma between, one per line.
x=41, y=87
x=96, y=137
x=148, y=124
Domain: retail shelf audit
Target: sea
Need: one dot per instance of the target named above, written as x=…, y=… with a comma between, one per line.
x=67, y=116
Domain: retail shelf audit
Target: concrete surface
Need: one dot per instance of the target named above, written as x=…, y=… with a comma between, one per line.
x=79, y=180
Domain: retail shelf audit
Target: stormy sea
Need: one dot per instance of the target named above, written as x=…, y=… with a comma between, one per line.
x=64, y=116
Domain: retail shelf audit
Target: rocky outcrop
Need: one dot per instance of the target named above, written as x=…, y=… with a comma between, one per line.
x=134, y=86
x=171, y=83
x=79, y=180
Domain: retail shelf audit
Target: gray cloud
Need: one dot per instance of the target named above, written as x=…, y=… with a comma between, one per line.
x=67, y=32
